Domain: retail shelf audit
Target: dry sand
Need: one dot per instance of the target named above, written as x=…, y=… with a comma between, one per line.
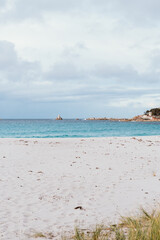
x=42, y=181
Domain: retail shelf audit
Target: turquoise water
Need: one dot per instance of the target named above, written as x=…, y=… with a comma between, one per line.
x=74, y=128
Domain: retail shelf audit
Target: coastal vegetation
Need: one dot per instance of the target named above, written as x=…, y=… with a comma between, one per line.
x=153, y=112
x=146, y=226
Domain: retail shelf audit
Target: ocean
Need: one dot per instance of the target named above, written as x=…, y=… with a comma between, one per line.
x=75, y=128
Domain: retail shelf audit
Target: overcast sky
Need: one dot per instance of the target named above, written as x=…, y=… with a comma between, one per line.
x=79, y=58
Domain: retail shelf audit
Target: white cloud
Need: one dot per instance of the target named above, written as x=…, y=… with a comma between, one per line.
x=67, y=81
x=144, y=101
x=67, y=50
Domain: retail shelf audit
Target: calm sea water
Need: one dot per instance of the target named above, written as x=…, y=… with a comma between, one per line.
x=74, y=128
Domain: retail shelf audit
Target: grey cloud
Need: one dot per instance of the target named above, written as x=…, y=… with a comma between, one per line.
x=64, y=71
x=67, y=81
x=74, y=51
x=125, y=76
x=131, y=12
x=22, y=9
x=14, y=69
x=117, y=72
x=81, y=73
x=155, y=60
x=8, y=56
x=2, y=3
x=139, y=12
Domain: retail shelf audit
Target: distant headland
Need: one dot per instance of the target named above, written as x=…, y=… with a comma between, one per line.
x=152, y=115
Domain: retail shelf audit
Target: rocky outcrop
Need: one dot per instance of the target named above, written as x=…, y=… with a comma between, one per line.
x=109, y=119
x=93, y=118
x=152, y=115
x=139, y=118
x=146, y=118
x=59, y=118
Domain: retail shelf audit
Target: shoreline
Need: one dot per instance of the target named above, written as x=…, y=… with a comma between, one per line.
x=135, y=119
x=44, y=180
x=77, y=138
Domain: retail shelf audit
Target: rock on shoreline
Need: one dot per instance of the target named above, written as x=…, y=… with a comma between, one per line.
x=139, y=118
x=59, y=118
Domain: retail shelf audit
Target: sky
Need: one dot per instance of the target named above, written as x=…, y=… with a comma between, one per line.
x=88, y=58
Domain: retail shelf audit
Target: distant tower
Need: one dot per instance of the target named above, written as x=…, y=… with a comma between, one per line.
x=59, y=117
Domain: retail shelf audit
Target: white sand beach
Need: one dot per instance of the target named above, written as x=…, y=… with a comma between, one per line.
x=43, y=181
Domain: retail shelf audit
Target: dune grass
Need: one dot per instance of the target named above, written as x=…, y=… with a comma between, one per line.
x=146, y=226
x=38, y=235
x=42, y=235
